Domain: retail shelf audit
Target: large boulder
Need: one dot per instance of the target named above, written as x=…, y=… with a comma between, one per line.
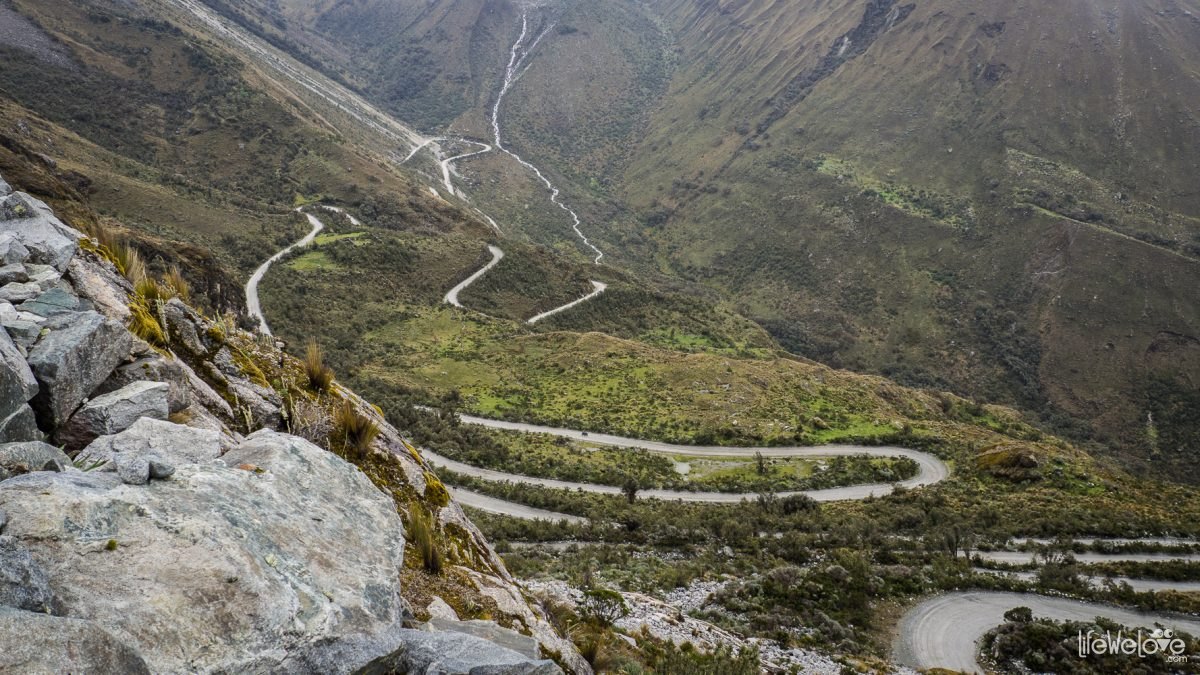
x=456, y=654
x=39, y=643
x=492, y=632
x=23, y=584
x=49, y=241
x=154, y=368
x=28, y=456
x=79, y=353
x=114, y=412
x=5, y=189
x=153, y=439
x=280, y=557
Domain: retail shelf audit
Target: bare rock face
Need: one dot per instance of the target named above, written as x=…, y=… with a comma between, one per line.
x=280, y=557
x=79, y=353
x=39, y=643
x=23, y=584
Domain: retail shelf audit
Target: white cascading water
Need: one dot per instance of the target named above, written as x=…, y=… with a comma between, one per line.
x=512, y=73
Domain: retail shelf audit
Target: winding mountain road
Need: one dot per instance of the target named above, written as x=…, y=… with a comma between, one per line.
x=253, y=307
x=930, y=469
x=452, y=296
x=598, y=288
x=944, y=631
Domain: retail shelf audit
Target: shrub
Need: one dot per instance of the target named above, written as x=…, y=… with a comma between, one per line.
x=354, y=432
x=320, y=376
x=602, y=606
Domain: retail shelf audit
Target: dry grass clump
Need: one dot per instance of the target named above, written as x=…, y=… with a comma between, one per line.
x=420, y=533
x=319, y=375
x=353, y=432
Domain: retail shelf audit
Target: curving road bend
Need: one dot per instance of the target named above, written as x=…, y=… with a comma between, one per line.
x=253, y=307
x=452, y=296
x=930, y=469
x=944, y=631
x=500, y=507
x=598, y=288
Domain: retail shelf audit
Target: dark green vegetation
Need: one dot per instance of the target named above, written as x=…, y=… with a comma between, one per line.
x=1047, y=646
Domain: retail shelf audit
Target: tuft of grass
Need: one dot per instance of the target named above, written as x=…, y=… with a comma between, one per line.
x=320, y=376
x=354, y=432
x=129, y=263
x=144, y=324
x=174, y=281
x=420, y=533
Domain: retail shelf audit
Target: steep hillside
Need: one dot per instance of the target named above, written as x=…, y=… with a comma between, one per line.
x=259, y=549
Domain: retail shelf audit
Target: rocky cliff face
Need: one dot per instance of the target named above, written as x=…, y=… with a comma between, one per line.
x=194, y=523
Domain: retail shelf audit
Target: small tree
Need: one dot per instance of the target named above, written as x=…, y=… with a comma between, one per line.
x=760, y=463
x=1019, y=615
x=602, y=606
x=630, y=489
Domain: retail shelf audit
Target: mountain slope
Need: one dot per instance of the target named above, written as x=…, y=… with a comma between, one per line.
x=985, y=196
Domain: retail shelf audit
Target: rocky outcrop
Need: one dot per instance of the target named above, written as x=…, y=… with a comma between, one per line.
x=281, y=563
x=207, y=543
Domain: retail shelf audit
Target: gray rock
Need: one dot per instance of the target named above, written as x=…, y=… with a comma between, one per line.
x=39, y=643
x=453, y=654
x=155, y=440
x=19, y=292
x=3, y=520
x=132, y=469
x=23, y=333
x=17, y=383
x=181, y=323
x=13, y=272
x=51, y=303
x=20, y=425
x=114, y=412
x=12, y=251
x=79, y=353
x=23, y=584
x=154, y=368
x=294, y=568
x=439, y=609
x=492, y=632
x=532, y=668
x=5, y=189
x=160, y=470
x=27, y=456
x=99, y=283
x=49, y=241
